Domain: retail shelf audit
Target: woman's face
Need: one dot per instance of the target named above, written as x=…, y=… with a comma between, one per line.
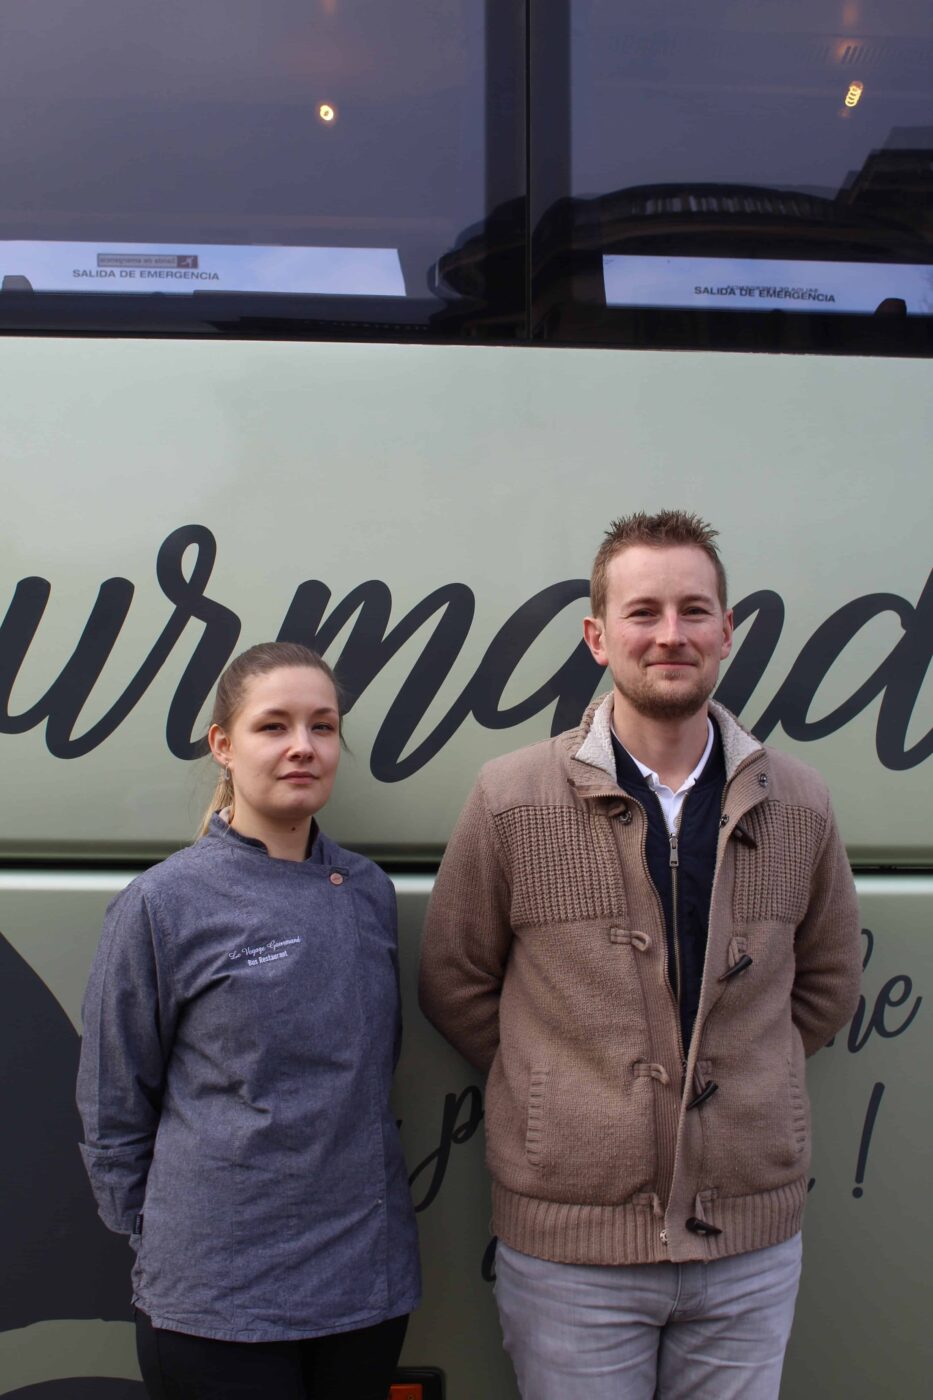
x=282, y=747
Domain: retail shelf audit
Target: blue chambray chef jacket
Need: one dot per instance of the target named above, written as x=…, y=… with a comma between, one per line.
x=241, y=1026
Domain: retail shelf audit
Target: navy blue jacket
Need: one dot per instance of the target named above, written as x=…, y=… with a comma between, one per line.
x=241, y=1026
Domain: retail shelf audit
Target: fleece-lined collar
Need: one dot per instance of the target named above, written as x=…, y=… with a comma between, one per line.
x=595, y=732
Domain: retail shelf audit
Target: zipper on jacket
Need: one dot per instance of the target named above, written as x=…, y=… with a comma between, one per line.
x=667, y=966
x=675, y=932
x=746, y=763
x=674, y=839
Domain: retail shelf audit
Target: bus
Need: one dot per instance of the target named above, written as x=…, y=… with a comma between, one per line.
x=354, y=323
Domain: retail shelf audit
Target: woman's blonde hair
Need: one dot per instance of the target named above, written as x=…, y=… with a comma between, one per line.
x=256, y=661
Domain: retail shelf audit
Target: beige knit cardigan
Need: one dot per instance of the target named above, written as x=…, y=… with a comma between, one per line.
x=545, y=964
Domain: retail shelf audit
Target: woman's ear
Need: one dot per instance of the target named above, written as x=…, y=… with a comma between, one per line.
x=219, y=742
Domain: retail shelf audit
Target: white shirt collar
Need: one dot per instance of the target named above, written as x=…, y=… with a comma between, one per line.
x=690, y=779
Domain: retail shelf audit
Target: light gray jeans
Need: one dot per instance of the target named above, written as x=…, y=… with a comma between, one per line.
x=714, y=1331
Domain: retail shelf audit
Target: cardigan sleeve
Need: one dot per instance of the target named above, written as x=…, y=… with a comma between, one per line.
x=827, y=947
x=467, y=936
x=129, y=1016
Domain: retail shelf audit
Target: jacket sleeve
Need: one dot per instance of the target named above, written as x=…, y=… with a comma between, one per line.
x=827, y=947
x=467, y=936
x=129, y=1015
x=391, y=921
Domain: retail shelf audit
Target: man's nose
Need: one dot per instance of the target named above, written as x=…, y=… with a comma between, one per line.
x=670, y=628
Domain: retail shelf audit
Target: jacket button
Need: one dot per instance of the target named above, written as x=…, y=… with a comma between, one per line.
x=625, y=817
x=744, y=962
x=336, y=878
x=762, y=780
x=701, y=1227
x=724, y=819
x=705, y=1093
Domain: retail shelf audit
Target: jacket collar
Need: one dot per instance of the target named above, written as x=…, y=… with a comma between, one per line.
x=596, y=735
x=219, y=825
x=591, y=742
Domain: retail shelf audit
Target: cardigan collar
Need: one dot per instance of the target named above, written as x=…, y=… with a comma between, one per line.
x=591, y=742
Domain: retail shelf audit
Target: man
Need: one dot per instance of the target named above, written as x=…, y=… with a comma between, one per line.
x=639, y=930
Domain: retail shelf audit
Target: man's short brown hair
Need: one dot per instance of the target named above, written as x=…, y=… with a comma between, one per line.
x=668, y=527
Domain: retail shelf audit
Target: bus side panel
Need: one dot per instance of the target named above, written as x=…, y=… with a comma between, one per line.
x=428, y=516
x=860, y=1330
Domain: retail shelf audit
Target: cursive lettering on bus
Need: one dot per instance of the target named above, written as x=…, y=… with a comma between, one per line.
x=67, y=696
x=461, y=1117
x=892, y=995
x=370, y=647
x=446, y=617
x=897, y=680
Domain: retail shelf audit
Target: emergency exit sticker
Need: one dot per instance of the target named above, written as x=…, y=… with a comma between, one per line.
x=160, y=267
x=764, y=284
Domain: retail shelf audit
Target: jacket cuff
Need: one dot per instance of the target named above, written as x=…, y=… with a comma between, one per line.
x=118, y=1180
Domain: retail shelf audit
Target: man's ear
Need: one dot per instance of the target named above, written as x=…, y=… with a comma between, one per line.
x=728, y=624
x=593, y=636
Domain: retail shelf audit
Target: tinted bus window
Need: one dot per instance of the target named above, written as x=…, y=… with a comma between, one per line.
x=233, y=159
x=730, y=164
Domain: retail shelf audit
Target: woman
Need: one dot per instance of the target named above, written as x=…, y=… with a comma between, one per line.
x=241, y=1026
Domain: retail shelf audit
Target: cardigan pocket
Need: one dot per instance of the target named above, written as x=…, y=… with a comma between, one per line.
x=756, y=1130
x=800, y=1112
x=534, y=1121
x=583, y=1143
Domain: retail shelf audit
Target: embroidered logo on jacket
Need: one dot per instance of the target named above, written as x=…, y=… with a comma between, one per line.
x=256, y=953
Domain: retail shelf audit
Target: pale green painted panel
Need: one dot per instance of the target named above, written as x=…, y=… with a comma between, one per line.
x=486, y=473
x=861, y=1327
x=863, y=1317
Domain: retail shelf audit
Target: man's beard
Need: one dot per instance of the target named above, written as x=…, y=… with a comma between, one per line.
x=682, y=704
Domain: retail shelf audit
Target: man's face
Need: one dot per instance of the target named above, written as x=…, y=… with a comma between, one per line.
x=664, y=632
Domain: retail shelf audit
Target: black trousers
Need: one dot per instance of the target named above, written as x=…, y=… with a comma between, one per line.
x=344, y=1366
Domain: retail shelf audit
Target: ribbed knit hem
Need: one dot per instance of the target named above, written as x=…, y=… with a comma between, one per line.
x=572, y=1234
x=753, y=1222
x=630, y=1233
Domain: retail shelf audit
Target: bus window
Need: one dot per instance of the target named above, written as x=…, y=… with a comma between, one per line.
x=736, y=176
x=299, y=163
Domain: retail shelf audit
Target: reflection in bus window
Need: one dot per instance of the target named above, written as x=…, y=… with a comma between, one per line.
x=706, y=139
x=208, y=147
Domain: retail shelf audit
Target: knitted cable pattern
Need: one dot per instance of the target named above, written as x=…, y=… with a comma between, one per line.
x=772, y=879
x=562, y=869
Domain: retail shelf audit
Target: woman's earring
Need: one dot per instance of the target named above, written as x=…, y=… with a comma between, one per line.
x=227, y=775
